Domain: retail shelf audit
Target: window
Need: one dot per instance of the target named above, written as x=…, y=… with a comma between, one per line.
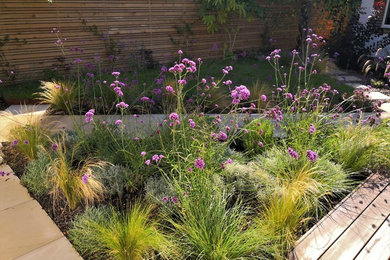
x=382, y=6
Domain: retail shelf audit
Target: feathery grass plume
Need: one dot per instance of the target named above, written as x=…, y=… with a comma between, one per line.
x=354, y=146
x=381, y=157
x=61, y=95
x=27, y=138
x=75, y=184
x=310, y=182
x=258, y=89
x=103, y=233
x=211, y=226
x=219, y=100
x=281, y=220
x=301, y=190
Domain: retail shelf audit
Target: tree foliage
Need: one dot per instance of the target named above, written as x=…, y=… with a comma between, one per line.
x=215, y=13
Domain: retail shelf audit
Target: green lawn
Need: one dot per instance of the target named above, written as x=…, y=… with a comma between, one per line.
x=246, y=72
x=20, y=91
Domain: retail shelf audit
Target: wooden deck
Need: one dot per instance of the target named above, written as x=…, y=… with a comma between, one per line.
x=357, y=228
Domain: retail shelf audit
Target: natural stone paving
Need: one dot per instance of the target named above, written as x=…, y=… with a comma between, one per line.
x=374, y=95
x=26, y=231
x=348, y=78
x=356, y=83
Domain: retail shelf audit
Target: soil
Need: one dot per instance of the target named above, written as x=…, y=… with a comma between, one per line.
x=16, y=160
x=3, y=105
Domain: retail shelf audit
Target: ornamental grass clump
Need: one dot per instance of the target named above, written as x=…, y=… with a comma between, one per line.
x=104, y=233
x=260, y=136
x=28, y=138
x=356, y=147
x=281, y=219
x=304, y=186
x=212, y=226
x=61, y=95
x=74, y=181
x=312, y=179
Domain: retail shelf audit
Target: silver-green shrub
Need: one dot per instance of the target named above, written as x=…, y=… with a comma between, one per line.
x=36, y=176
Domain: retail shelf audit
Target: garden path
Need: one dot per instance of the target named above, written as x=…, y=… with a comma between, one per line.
x=357, y=228
x=355, y=81
x=26, y=231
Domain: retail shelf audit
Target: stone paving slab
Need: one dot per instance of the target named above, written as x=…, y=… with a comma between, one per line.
x=60, y=249
x=26, y=231
x=11, y=192
x=25, y=227
x=386, y=107
x=356, y=85
x=348, y=78
x=377, y=96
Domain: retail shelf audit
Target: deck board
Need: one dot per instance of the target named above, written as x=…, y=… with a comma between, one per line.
x=349, y=244
x=378, y=247
x=329, y=229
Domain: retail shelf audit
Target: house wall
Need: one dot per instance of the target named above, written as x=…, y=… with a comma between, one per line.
x=368, y=11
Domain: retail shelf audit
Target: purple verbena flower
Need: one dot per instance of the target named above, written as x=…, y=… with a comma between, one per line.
x=312, y=156
x=222, y=136
x=89, y=115
x=192, y=123
x=173, y=117
x=199, y=163
x=293, y=153
x=240, y=93
x=169, y=89
x=312, y=129
x=54, y=147
x=85, y=178
x=155, y=158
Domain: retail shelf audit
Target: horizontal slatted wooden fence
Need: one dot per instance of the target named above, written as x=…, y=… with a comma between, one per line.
x=135, y=25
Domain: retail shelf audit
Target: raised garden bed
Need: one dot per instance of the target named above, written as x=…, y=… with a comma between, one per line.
x=196, y=186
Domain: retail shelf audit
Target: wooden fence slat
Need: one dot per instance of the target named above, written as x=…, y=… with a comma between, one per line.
x=147, y=24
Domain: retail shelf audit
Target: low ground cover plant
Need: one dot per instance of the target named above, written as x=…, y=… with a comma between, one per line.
x=232, y=186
